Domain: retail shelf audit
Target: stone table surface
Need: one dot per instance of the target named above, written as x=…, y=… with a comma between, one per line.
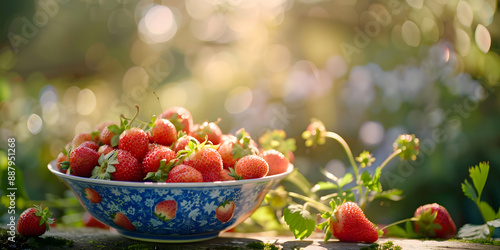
x=92, y=238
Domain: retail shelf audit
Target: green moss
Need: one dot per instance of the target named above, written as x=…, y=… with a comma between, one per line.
x=262, y=245
x=24, y=242
x=140, y=247
x=384, y=246
x=479, y=241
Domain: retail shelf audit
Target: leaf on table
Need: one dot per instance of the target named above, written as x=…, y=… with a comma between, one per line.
x=300, y=221
x=469, y=231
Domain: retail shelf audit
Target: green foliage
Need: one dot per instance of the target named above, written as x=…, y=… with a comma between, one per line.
x=389, y=245
x=479, y=175
x=300, y=221
x=262, y=245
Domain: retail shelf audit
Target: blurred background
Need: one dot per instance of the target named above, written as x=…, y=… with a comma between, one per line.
x=370, y=70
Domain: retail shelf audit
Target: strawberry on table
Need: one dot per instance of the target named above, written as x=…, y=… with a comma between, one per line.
x=250, y=167
x=118, y=165
x=278, y=163
x=184, y=173
x=121, y=220
x=180, y=117
x=135, y=141
x=34, y=221
x=163, y=132
x=349, y=224
x=225, y=211
x=166, y=210
x=434, y=221
x=92, y=195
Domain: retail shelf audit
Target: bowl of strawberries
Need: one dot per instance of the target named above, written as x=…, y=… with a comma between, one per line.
x=169, y=180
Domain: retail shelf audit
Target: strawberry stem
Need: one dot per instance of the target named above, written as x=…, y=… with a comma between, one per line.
x=348, y=151
x=313, y=203
x=390, y=157
x=399, y=222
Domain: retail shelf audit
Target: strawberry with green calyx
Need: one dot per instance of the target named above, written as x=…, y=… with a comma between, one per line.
x=118, y=165
x=348, y=223
x=122, y=221
x=204, y=158
x=135, y=141
x=163, y=171
x=276, y=139
x=61, y=157
x=225, y=211
x=34, y=221
x=434, y=221
x=151, y=161
x=182, y=142
x=231, y=150
x=83, y=137
x=180, y=117
x=163, y=132
x=166, y=210
x=81, y=161
x=250, y=167
x=208, y=130
x=226, y=175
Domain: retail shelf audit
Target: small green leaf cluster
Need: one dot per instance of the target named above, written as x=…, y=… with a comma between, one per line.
x=479, y=175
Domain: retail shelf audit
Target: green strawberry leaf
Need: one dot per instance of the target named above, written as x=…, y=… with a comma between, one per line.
x=498, y=214
x=233, y=174
x=396, y=231
x=299, y=220
x=469, y=191
x=479, y=174
x=348, y=178
x=391, y=194
x=487, y=212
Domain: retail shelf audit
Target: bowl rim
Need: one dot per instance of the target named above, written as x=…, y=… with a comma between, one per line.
x=53, y=168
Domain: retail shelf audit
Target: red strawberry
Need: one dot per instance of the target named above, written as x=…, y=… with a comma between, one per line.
x=250, y=167
x=118, y=165
x=276, y=139
x=210, y=130
x=206, y=160
x=134, y=140
x=90, y=221
x=105, y=149
x=434, y=222
x=61, y=158
x=180, y=117
x=122, y=221
x=83, y=137
x=92, y=195
x=106, y=135
x=232, y=150
x=151, y=161
x=225, y=211
x=351, y=225
x=34, y=221
x=101, y=126
x=225, y=175
x=278, y=163
x=163, y=132
x=166, y=210
x=182, y=142
x=90, y=144
x=184, y=173
x=82, y=160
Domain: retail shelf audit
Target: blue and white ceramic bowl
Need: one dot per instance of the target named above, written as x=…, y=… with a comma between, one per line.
x=169, y=212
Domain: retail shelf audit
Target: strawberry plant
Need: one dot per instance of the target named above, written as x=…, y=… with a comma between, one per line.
x=360, y=187
x=478, y=175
